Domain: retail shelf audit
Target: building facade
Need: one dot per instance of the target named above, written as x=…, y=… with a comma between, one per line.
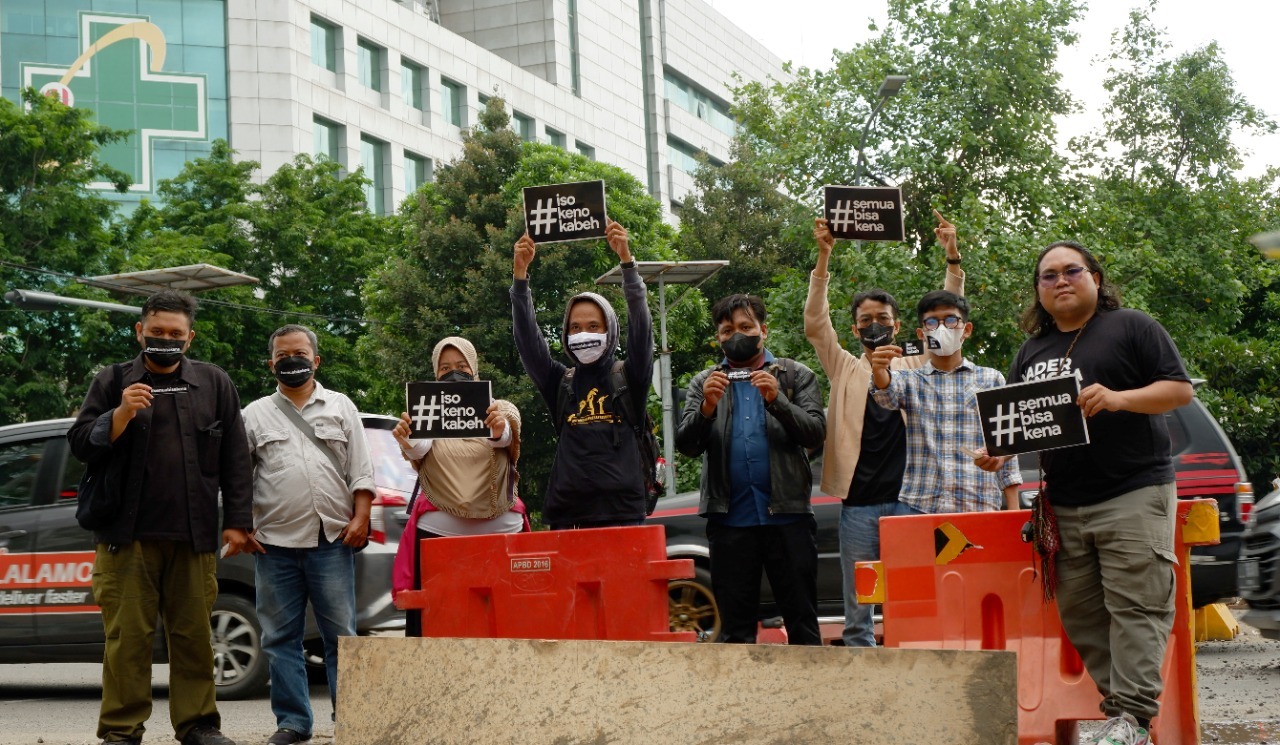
x=389, y=85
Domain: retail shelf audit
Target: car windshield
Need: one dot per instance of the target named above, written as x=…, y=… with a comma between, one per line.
x=390, y=469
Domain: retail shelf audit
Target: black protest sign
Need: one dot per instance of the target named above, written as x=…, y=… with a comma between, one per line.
x=448, y=409
x=865, y=213
x=912, y=348
x=1026, y=417
x=564, y=212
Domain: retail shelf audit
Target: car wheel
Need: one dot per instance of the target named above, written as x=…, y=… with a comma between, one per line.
x=691, y=606
x=239, y=664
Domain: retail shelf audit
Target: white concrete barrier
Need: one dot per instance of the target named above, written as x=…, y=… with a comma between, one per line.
x=486, y=691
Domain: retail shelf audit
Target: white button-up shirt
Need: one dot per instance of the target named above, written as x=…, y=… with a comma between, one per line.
x=296, y=490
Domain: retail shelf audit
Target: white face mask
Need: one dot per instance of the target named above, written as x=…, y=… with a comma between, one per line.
x=586, y=347
x=943, y=341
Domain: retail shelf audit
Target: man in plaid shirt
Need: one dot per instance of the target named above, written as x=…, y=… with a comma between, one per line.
x=947, y=468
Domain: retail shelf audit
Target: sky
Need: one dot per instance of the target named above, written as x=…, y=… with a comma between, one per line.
x=806, y=31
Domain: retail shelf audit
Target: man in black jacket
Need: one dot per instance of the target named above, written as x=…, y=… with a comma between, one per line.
x=171, y=435
x=753, y=418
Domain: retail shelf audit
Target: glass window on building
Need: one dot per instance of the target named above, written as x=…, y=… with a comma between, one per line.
x=701, y=104
x=453, y=102
x=327, y=139
x=585, y=150
x=417, y=171
x=369, y=60
x=411, y=77
x=575, y=64
x=555, y=138
x=523, y=126
x=686, y=157
x=324, y=44
x=372, y=157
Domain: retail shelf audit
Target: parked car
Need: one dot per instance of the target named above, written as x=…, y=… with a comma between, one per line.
x=1259, y=560
x=47, y=612
x=1207, y=466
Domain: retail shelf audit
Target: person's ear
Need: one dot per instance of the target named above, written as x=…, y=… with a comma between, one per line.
x=315, y=364
x=897, y=326
x=968, y=329
x=919, y=333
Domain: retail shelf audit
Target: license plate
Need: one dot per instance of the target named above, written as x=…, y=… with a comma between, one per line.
x=1247, y=572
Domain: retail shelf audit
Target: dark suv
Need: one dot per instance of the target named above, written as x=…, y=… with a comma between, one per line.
x=1259, y=561
x=47, y=612
x=1207, y=467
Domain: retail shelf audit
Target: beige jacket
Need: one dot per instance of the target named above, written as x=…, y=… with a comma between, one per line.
x=850, y=379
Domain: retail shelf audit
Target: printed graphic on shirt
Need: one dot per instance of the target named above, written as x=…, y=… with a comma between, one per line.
x=1055, y=368
x=591, y=409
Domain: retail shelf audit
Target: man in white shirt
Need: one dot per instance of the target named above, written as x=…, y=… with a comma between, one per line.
x=312, y=492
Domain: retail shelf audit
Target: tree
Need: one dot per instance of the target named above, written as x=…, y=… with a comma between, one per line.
x=306, y=234
x=451, y=271
x=52, y=229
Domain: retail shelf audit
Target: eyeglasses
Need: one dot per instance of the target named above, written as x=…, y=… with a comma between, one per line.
x=951, y=322
x=1049, y=279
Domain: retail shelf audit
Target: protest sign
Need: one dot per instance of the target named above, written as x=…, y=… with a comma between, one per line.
x=912, y=348
x=865, y=213
x=448, y=409
x=564, y=212
x=1026, y=417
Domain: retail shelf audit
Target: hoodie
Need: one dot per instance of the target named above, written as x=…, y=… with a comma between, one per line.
x=595, y=476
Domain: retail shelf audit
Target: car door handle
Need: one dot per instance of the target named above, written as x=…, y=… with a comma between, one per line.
x=5, y=537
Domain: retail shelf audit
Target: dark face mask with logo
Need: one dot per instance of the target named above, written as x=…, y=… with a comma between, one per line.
x=162, y=352
x=293, y=372
x=876, y=335
x=456, y=376
x=741, y=348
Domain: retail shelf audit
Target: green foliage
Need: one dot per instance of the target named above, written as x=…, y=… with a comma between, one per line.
x=48, y=221
x=450, y=272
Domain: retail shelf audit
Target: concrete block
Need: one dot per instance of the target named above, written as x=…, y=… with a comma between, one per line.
x=531, y=691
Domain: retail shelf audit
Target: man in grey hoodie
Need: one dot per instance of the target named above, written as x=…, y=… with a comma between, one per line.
x=597, y=478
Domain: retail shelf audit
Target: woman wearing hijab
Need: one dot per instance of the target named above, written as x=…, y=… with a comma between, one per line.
x=467, y=486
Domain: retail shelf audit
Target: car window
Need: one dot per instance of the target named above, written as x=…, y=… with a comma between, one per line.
x=19, y=467
x=1177, y=431
x=390, y=469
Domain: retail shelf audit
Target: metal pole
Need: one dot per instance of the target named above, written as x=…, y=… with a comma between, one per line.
x=866, y=129
x=664, y=380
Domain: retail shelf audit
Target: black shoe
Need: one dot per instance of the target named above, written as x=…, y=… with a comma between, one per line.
x=205, y=735
x=287, y=737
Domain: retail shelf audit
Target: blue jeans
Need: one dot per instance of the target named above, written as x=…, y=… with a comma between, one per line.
x=286, y=579
x=860, y=541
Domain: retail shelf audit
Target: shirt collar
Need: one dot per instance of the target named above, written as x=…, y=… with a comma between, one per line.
x=928, y=368
x=139, y=371
x=317, y=394
x=768, y=359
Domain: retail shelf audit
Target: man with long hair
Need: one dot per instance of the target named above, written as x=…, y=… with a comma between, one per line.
x=1108, y=507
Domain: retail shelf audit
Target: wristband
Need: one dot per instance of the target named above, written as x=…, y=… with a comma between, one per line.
x=953, y=261
x=629, y=264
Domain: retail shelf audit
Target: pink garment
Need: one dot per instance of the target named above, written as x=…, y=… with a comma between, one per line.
x=406, y=551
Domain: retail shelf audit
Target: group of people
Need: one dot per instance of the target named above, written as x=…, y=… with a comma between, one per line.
x=900, y=434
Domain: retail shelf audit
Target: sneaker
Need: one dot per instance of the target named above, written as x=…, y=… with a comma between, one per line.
x=287, y=737
x=1122, y=730
x=203, y=734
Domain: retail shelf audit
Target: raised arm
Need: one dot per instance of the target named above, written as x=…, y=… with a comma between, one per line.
x=946, y=234
x=535, y=355
x=639, y=363
x=818, y=328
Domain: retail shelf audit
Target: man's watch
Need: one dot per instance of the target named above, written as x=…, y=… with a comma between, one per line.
x=629, y=264
x=953, y=261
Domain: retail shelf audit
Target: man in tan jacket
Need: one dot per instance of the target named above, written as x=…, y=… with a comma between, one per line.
x=865, y=450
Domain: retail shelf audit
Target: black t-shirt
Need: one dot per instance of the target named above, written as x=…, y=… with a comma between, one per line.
x=596, y=475
x=883, y=458
x=1122, y=350
x=163, y=512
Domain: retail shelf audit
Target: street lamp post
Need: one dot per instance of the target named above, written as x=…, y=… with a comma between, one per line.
x=889, y=88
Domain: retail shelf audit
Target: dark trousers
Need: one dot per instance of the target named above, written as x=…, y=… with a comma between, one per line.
x=788, y=555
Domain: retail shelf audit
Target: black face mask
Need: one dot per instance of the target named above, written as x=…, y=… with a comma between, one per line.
x=876, y=335
x=741, y=348
x=293, y=372
x=162, y=352
x=456, y=376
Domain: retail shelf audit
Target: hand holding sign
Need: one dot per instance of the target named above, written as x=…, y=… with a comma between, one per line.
x=525, y=250
x=822, y=234
x=496, y=422
x=618, y=240
x=712, y=391
x=946, y=235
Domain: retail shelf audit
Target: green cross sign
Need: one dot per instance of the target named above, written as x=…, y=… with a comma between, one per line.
x=118, y=75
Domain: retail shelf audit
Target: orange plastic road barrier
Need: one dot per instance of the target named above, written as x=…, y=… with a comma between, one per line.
x=605, y=583
x=967, y=581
